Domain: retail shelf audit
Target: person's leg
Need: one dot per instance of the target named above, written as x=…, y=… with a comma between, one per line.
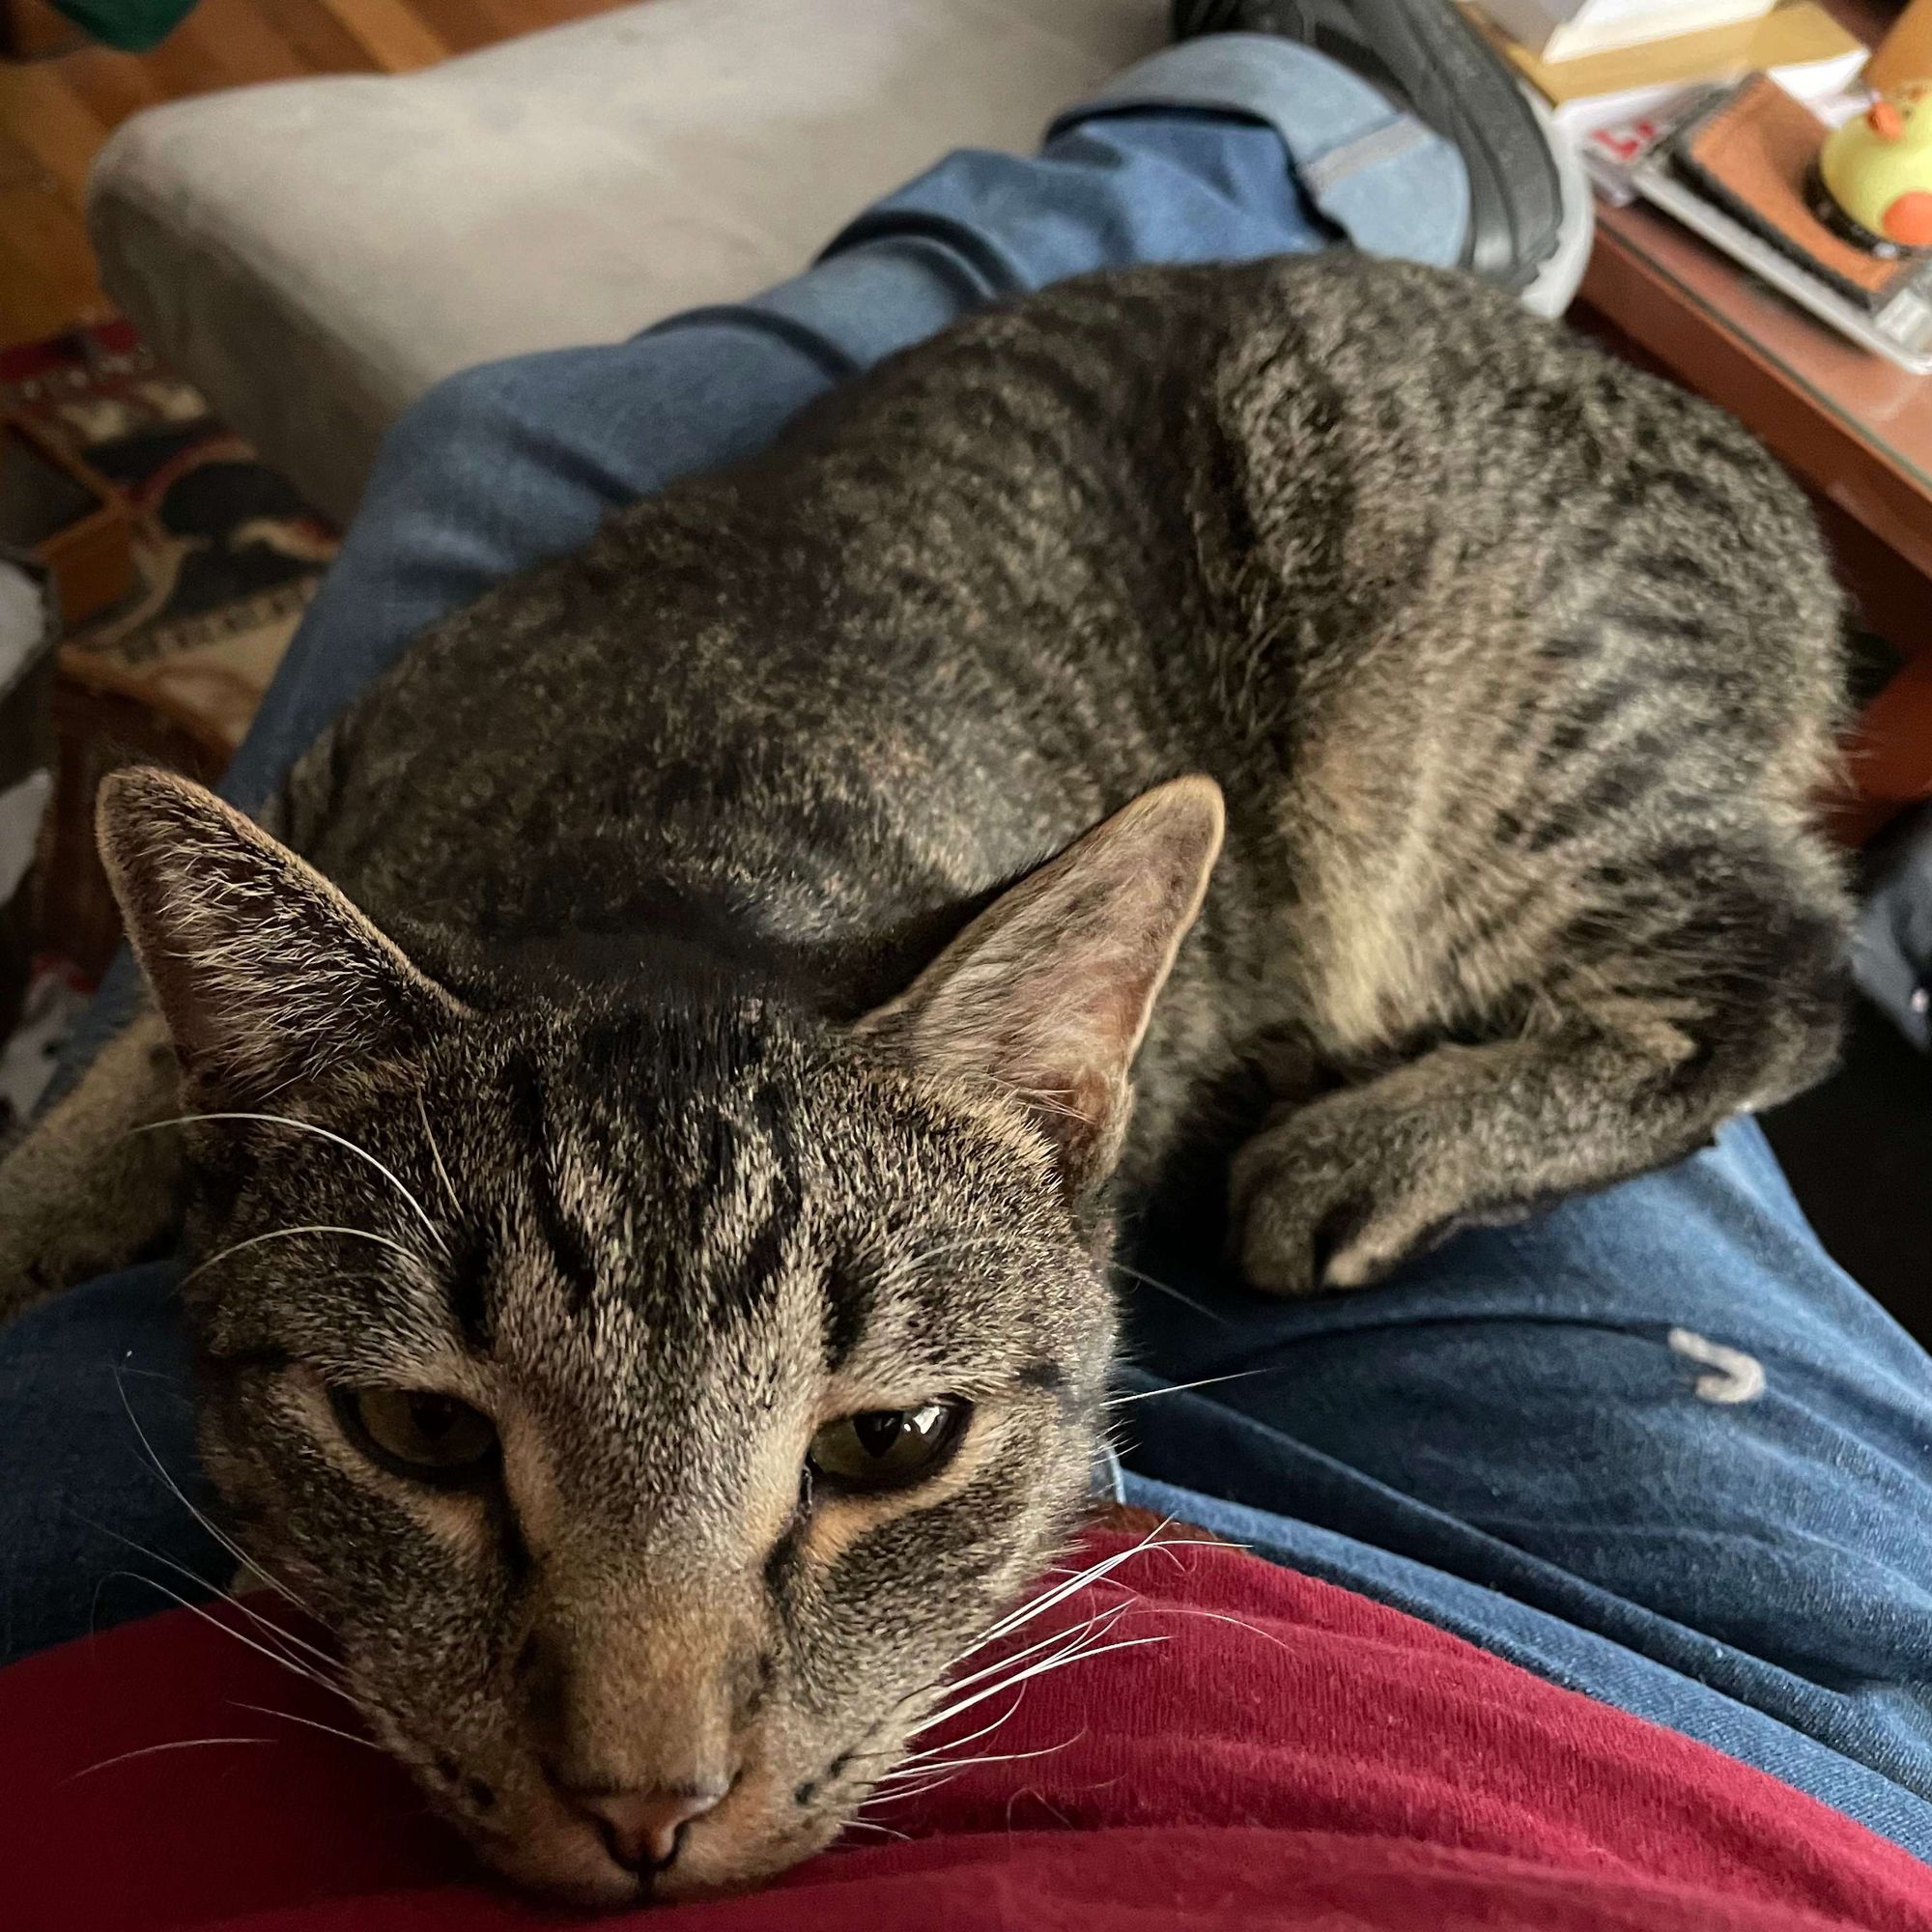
x=96, y=1430
x=503, y=465
x=1653, y=1442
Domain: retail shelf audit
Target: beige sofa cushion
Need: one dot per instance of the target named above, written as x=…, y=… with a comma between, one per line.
x=314, y=254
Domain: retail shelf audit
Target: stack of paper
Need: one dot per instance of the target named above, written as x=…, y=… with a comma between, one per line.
x=1799, y=44
x=1614, y=105
x=1563, y=28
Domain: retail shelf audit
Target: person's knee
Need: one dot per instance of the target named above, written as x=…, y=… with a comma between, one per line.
x=491, y=471
x=461, y=422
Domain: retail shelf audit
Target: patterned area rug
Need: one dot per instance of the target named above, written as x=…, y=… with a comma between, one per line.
x=226, y=556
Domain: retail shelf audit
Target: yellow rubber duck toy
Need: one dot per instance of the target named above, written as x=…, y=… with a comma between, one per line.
x=1877, y=169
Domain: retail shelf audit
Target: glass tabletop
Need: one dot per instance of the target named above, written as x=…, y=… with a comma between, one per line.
x=1882, y=411
x=1884, y=407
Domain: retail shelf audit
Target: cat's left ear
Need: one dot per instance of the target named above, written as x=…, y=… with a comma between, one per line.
x=265, y=973
x=1047, y=993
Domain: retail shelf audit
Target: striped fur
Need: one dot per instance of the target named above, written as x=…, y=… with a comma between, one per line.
x=1518, y=673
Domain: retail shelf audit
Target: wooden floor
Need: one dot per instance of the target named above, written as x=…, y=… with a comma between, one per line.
x=55, y=113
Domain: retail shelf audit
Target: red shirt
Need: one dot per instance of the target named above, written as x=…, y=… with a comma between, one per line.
x=1290, y=1754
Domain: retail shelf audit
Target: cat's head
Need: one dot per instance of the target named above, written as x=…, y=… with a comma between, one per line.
x=656, y=1390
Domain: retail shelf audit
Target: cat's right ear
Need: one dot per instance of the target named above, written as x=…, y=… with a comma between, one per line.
x=265, y=973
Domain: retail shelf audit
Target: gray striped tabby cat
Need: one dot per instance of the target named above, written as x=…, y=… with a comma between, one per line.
x=650, y=1207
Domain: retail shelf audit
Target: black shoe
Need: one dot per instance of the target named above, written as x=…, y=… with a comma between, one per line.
x=1431, y=61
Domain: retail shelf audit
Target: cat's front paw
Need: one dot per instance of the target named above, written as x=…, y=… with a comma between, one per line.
x=1330, y=1196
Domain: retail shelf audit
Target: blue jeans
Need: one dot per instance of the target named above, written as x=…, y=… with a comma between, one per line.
x=1652, y=1444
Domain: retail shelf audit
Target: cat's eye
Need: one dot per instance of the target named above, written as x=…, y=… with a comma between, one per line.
x=889, y=1448
x=419, y=1433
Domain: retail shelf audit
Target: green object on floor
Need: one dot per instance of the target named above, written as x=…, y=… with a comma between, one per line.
x=132, y=25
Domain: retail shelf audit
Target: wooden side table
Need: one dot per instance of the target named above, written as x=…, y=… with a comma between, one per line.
x=1855, y=430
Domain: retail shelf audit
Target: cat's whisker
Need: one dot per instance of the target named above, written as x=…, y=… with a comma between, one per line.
x=1212, y=1616
x=972, y=1737
x=152, y=1751
x=1181, y=1388
x=1168, y=1548
x=314, y=1725
x=917, y=1763
x=291, y=1665
x=912, y=1791
x=324, y=1660
x=1053, y=1811
x=969, y=1763
x=288, y=1233
x=355, y=1147
x=435, y=1156
x=1169, y=1289
x=1053, y=1644
x=1057, y=1642
x=918, y=1759
x=871, y=1824
x=1042, y=1668
x=915, y=1773
x=1090, y=1638
x=1035, y=1607
x=200, y=1516
x=154, y=1376
x=1078, y=1580
x=287, y=1637
x=901, y=1761
x=1072, y=1634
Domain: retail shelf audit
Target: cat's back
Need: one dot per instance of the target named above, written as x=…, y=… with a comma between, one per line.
x=1226, y=492
x=1367, y=542
x=1417, y=439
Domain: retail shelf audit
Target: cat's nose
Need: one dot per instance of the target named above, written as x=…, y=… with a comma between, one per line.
x=641, y=1829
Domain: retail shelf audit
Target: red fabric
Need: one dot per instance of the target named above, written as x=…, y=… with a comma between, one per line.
x=1318, y=1760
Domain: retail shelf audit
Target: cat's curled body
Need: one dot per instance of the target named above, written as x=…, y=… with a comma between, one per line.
x=1518, y=672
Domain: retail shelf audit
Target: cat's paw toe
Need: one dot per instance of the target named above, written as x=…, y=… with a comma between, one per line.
x=1281, y=1252
x=1296, y=1214
x=1314, y=1208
